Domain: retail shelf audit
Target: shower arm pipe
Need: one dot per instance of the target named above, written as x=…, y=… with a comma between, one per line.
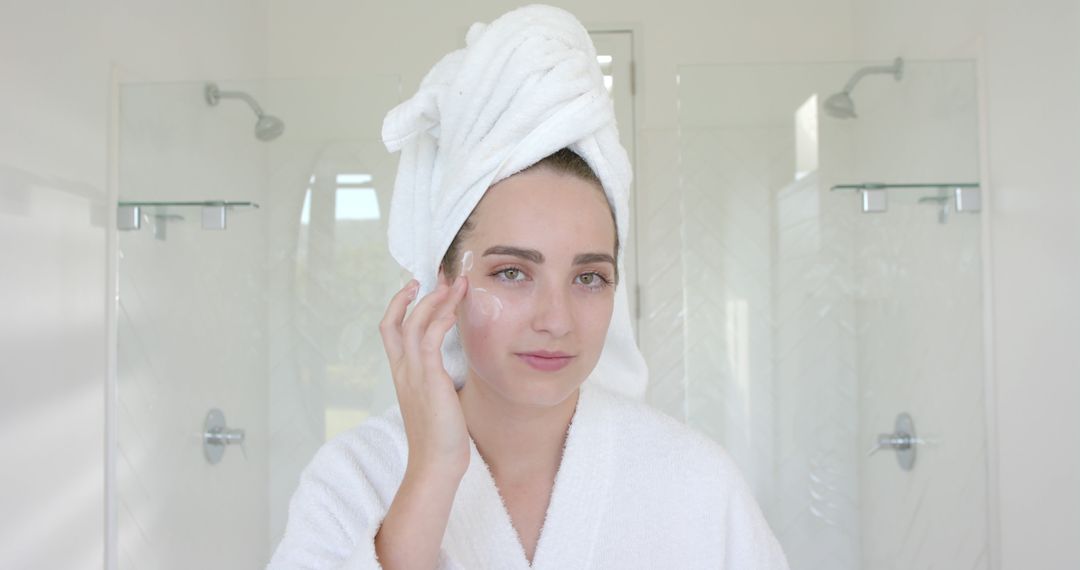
x=213, y=94
x=877, y=186
x=896, y=69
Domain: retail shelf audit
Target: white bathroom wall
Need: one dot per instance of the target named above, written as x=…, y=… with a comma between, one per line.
x=1028, y=55
x=1033, y=120
x=57, y=59
x=334, y=37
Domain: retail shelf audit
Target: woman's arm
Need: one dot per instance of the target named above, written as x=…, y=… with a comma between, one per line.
x=339, y=518
x=412, y=532
x=438, y=439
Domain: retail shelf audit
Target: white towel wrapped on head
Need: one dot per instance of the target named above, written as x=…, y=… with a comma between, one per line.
x=524, y=87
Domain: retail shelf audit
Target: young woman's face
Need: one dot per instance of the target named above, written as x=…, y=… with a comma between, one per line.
x=541, y=286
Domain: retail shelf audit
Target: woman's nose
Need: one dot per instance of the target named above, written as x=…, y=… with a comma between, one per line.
x=553, y=313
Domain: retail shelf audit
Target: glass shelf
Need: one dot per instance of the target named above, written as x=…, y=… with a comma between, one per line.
x=208, y=203
x=129, y=213
x=881, y=186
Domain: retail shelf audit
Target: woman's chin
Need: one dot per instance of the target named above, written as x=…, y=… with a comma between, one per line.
x=536, y=390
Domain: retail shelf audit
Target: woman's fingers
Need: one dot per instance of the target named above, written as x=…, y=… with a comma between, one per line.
x=434, y=421
x=455, y=294
x=419, y=336
x=390, y=326
x=417, y=322
x=445, y=317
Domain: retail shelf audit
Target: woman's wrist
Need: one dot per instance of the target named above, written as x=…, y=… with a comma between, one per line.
x=413, y=529
x=438, y=477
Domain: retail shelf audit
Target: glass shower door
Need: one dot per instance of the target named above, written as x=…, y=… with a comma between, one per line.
x=833, y=264
x=252, y=276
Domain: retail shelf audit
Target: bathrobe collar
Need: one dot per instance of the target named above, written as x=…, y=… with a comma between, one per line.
x=480, y=533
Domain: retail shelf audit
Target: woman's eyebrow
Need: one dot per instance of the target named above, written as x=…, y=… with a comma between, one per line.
x=529, y=254
x=537, y=257
x=583, y=258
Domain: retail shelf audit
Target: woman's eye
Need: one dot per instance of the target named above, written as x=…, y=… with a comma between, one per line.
x=510, y=274
x=593, y=280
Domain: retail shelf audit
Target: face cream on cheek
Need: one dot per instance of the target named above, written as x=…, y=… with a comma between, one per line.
x=481, y=306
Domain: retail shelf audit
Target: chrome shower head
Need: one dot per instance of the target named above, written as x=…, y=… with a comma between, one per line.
x=842, y=106
x=267, y=127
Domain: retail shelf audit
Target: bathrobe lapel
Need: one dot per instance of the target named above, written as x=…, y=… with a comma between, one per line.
x=480, y=533
x=582, y=487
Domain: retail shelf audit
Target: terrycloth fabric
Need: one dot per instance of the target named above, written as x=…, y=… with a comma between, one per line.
x=524, y=86
x=635, y=489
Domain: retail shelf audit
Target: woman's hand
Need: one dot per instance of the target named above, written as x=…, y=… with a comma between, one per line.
x=434, y=423
x=410, y=534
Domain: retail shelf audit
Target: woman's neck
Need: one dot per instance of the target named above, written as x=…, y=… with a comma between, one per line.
x=517, y=442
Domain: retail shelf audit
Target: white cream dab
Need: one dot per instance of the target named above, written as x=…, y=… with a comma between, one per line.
x=485, y=307
x=466, y=262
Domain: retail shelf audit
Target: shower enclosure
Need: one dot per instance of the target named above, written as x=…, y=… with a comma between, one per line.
x=253, y=271
x=810, y=293
x=832, y=257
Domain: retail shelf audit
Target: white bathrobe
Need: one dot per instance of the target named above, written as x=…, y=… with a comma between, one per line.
x=635, y=489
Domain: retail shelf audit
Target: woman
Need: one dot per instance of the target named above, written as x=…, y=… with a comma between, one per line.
x=519, y=440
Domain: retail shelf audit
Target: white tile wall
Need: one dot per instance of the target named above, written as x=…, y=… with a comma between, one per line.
x=660, y=270
x=769, y=344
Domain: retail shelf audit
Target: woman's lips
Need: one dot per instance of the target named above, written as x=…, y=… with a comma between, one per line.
x=546, y=361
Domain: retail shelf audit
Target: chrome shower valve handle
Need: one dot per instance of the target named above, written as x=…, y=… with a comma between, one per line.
x=892, y=441
x=227, y=436
x=216, y=435
x=902, y=440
